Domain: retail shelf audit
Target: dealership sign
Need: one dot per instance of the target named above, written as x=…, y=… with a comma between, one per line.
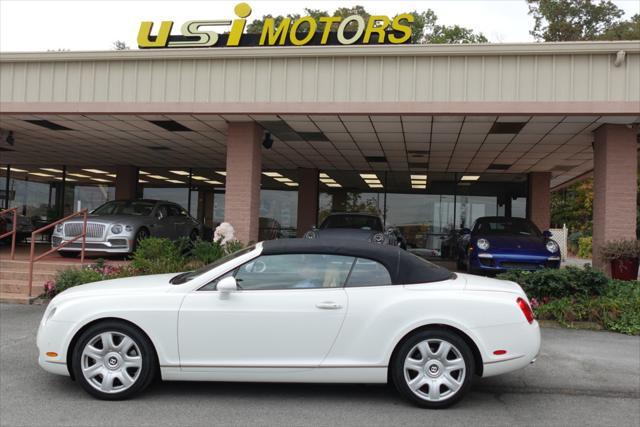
x=306, y=30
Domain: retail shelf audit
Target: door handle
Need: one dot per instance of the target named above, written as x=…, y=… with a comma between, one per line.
x=328, y=305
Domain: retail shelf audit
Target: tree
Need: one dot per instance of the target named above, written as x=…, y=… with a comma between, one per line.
x=625, y=30
x=573, y=20
x=424, y=26
x=120, y=45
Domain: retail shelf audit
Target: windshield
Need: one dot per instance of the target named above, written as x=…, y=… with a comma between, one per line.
x=518, y=226
x=352, y=221
x=125, y=207
x=185, y=277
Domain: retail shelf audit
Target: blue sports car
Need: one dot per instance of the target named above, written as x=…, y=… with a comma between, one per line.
x=496, y=244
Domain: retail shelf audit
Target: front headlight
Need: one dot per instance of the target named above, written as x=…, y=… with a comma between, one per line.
x=116, y=229
x=552, y=246
x=482, y=244
x=378, y=238
x=59, y=228
x=310, y=235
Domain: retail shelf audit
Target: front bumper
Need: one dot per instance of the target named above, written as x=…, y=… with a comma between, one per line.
x=497, y=262
x=112, y=244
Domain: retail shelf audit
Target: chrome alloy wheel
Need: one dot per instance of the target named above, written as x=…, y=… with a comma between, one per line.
x=111, y=362
x=434, y=370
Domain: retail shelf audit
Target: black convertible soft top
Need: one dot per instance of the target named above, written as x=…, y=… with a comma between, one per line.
x=404, y=267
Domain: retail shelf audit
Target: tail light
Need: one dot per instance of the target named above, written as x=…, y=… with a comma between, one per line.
x=526, y=309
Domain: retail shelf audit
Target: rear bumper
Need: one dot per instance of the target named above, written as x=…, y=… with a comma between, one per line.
x=497, y=262
x=521, y=342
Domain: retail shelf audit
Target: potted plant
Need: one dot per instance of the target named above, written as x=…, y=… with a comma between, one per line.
x=623, y=255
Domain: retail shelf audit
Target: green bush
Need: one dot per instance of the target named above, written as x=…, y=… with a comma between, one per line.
x=572, y=241
x=158, y=256
x=204, y=252
x=564, y=282
x=584, y=247
x=71, y=277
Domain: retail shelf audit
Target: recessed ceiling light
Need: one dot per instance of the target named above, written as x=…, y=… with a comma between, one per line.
x=214, y=182
x=223, y=173
x=18, y=170
x=157, y=177
x=418, y=182
x=199, y=178
x=95, y=171
x=282, y=179
x=327, y=180
x=419, y=177
x=79, y=175
x=291, y=184
x=470, y=178
x=99, y=179
x=51, y=170
x=175, y=181
x=324, y=175
x=334, y=185
x=111, y=175
x=372, y=181
x=271, y=174
x=183, y=173
x=142, y=181
x=143, y=173
x=368, y=175
x=375, y=185
x=40, y=174
x=59, y=178
x=419, y=187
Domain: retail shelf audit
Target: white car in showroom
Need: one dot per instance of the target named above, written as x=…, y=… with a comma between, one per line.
x=293, y=310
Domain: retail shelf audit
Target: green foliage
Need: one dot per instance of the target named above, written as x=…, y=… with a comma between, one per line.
x=585, y=247
x=71, y=277
x=233, y=246
x=573, y=206
x=204, y=252
x=620, y=249
x=157, y=256
x=574, y=20
x=625, y=30
x=424, y=28
x=564, y=282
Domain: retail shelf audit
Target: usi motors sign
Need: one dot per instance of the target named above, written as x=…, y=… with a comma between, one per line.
x=306, y=30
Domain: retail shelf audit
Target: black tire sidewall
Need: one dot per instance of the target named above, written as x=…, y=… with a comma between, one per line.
x=137, y=238
x=397, y=366
x=147, y=351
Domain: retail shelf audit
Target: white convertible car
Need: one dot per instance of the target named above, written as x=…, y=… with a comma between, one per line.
x=293, y=311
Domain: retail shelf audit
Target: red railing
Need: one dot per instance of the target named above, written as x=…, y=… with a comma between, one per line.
x=33, y=258
x=14, y=230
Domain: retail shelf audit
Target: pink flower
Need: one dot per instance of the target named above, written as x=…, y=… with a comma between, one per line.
x=534, y=303
x=49, y=288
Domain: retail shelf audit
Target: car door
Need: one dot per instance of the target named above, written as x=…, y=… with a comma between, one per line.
x=163, y=226
x=287, y=313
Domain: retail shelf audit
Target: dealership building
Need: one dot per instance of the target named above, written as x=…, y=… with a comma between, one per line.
x=271, y=139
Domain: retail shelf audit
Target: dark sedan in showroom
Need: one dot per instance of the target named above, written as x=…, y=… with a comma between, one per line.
x=497, y=244
x=356, y=226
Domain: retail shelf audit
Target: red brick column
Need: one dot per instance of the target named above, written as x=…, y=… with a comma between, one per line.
x=307, y=199
x=242, y=189
x=126, y=182
x=539, y=204
x=615, y=168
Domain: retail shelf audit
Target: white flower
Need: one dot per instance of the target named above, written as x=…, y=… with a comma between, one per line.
x=224, y=233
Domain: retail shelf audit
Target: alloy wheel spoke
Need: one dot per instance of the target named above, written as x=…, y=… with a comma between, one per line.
x=455, y=364
x=443, y=350
x=93, y=370
x=424, y=350
x=414, y=365
x=107, y=341
x=125, y=345
x=450, y=382
x=417, y=382
x=107, y=381
x=434, y=391
x=94, y=353
x=124, y=378
x=132, y=361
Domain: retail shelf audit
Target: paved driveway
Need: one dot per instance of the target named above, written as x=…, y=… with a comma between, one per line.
x=581, y=378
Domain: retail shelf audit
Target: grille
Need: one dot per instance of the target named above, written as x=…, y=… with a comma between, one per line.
x=75, y=229
x=520, y=265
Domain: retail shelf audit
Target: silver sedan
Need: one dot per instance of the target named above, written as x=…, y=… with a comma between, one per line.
x=118, y=226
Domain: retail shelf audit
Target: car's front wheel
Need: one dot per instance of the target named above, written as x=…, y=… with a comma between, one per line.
x=433, y=368
x=113, y=360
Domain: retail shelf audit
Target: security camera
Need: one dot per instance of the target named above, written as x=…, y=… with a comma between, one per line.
x=267, y=142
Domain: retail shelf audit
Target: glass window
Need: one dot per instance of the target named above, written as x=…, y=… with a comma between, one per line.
x=278, y=214
x=138, y=208
x=174, y=210
x=294, y=271
x=363, y=222
x=366, y=272
x=506, y=226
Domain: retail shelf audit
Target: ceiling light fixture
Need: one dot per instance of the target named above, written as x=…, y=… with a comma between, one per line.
x=199, y=178
x=40, y=174
x=78, y=175
x=419, y=177
x=470, y=177
x=95, y=171
x=214, y=182
x=143, y=173
x=291, y=184
x=51, y=170
x=175, y=181
x=182, y=173
x=142, y=181
x=282, y=179
x=271, y=174
x=157, y=177
x=223, y=173
x=368, y=176
x=99, y=180
x=19, y=170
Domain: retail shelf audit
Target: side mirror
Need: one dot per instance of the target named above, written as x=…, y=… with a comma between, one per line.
x=546, y=234
x=465, y=231
x=228, y=284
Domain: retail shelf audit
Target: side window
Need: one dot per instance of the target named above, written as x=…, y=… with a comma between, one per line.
x=162, y=213
x=368, y=273
x=294, y=271
x=173, y=210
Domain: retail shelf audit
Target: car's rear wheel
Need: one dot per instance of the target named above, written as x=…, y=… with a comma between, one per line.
x=433, y=368
x=113, y=360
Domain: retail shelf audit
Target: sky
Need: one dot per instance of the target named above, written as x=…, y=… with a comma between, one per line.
x=30, y=25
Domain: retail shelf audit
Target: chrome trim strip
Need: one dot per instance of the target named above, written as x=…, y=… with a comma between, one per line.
x=484, y=255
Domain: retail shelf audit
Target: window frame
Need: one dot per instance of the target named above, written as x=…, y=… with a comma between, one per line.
x=346, y=281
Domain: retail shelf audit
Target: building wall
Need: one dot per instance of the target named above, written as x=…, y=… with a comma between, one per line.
x=558, y=78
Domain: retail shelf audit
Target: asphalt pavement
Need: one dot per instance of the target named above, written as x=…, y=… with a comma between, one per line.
x=581, y=378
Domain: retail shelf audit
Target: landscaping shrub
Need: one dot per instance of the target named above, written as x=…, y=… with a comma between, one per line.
x=564, y=282
x=584, y=247
x=71, y=277
x=204, y=252
x=158, y=256
x=572, y=241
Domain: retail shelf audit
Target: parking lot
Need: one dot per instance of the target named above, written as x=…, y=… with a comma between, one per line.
x=580, y=378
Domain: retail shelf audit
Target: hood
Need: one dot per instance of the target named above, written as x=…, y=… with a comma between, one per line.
x=347, y=233
x=111, y=219
x=480, y=283
x=514, y=242
x=127, y=285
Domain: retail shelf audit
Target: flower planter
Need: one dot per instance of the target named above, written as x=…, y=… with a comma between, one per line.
x=624, y=269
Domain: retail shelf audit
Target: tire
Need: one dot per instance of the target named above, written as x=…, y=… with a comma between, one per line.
x=194, y=235
x=429, y=385
x=68, y=254
x=142, y=234
x=110, y=362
